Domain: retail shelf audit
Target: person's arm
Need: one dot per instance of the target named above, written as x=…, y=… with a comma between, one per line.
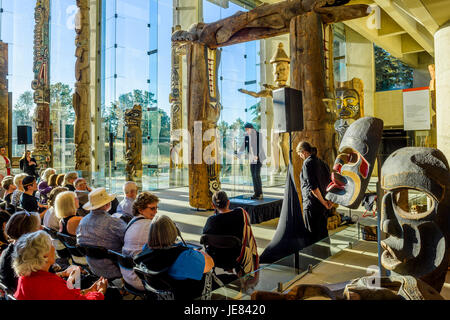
x=316, y=193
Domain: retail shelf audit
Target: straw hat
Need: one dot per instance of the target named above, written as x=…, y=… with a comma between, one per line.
x=98, y=198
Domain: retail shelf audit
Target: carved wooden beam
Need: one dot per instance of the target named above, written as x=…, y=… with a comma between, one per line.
x=81, y=97
x=265, y=21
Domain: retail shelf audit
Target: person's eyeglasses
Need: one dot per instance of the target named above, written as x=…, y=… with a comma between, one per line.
x=153, y=208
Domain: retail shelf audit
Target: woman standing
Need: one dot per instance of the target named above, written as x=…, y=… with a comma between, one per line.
x=28, y=164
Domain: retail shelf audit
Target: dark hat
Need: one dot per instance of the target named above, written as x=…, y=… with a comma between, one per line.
x=248, y=125
x=28, y=180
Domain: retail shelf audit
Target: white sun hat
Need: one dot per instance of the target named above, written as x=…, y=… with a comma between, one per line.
x=98, y=198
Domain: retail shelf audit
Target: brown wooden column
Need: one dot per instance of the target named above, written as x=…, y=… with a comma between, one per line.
x=308, y=75
x=4, y=123
x=203, y=113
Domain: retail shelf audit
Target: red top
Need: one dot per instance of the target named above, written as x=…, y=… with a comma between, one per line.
x=43, y=285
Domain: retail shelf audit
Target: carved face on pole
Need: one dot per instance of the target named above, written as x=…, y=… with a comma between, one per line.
x=355, y=161
x=347, y=103
x=416, y=214
x=280, y=63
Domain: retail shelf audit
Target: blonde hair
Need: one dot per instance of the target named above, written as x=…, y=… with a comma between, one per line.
x=19, y=178
x=69, y=176
x=65, y=204
x=60, y=179
x=163, y=232
x=29, y=253
x=46, y=173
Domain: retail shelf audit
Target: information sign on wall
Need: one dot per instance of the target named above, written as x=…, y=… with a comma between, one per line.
x=416, y=109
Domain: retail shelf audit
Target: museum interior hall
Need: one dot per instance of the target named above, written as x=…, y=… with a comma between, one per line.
x=224, y=150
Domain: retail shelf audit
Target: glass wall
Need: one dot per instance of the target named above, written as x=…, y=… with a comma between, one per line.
x=17, y=26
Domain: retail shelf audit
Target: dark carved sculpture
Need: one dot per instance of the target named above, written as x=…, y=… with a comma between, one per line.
x=355, y=161
x=394, y=287
x=133, y=141
x=41, y=85
x=416, y=214
x=80, y=99
x=4, y=94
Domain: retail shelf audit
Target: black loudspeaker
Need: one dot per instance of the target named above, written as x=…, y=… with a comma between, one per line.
x=24, y=135
x=287, y=110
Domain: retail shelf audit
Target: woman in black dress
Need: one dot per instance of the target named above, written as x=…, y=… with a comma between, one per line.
x=28, y=164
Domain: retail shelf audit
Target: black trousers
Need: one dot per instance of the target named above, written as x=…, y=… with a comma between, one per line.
x=256, y=177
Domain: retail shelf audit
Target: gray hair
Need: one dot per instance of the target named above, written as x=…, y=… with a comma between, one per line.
x=128, y=186
x=19, y=178
x=29, y=253
x=46, y=173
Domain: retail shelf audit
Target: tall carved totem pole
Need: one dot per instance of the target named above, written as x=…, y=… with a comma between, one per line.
x=81, y=97
x=41, y=85
x=4, y=126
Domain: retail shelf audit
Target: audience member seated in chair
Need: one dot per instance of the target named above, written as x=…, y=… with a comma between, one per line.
x=82, y=190
x=43, y=186
x=28, y=201
x=145, y=208
x=17, y=194
x=66, y=205
x=124, y=210
x=236, y=222
x=182, y=267
x=9, y=187
x=50, y=219
x=69, y=179
x=100, y=229
x=33, y=256
x=19, y=224
x=4, y=218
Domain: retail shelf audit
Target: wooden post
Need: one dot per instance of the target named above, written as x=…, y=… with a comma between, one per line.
x=41, y=85
x=81, y=97
x=308, y=75
x=4, y=110
x=203, y=113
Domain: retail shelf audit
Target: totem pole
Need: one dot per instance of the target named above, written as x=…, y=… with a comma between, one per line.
x=81, y=97
x=176, y=109
x=41, y=85
x=133, y=142
x=4, y=125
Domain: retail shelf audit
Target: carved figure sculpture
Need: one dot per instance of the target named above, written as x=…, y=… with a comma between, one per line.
x=41, y=85
x=418, y=227
x=349, y=106
x=394, y=287
x=81, y=97
x=280, y=62
x=133, y=142
x=354, y=164
x=4, y=94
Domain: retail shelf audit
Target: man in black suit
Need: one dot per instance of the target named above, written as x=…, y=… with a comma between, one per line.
x=254, y=146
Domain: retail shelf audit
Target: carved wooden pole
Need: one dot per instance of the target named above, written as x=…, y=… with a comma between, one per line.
x=81, y=97
x=176, y=109
x=203, y=113
x=4, y=125
x=133, y=142
x=307, y=75
x=41, y=85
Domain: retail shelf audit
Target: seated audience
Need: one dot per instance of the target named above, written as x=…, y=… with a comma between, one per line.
x=19, y=224
x=4, y=217
x=9, y=187
x=82, y=190
x=52, y=180
x=28, y=201
x=60, y=179
x=99, y=228
x=182, y=262
x=145, y=208
x=66, y=205
x=33, y=256
x=43, y=187
x=17, y=194
x=50, y=219
x=125, y=208
x=69, y=179
x=236, y=223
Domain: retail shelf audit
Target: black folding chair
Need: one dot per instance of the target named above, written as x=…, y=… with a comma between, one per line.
x=221, y=249
x=77, y=254
x=98, y=252
x=8, y=294
x=127, y=263
x=61, y=249
x=154, y=283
